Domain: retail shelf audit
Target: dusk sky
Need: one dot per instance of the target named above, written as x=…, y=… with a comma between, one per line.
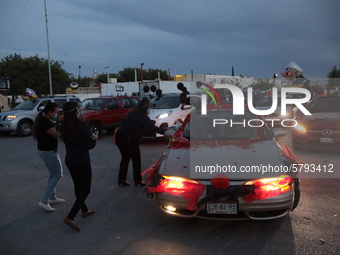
x=259, y=38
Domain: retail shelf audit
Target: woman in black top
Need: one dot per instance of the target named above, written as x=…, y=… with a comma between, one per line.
x=46, y=135
x=78, y=141
x=128, y=138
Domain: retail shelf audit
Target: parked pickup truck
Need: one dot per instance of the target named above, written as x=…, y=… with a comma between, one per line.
x=106, y=113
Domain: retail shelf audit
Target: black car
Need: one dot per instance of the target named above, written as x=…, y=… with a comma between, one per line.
x=321, y=130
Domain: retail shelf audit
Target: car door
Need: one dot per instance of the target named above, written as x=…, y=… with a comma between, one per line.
x=111, y=114
x=125, y=106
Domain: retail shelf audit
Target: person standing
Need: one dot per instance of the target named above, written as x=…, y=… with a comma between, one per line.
x=128, y=138
x=46, y=135
x=78, y=141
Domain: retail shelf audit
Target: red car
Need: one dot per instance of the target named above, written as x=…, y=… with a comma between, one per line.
x=321, y=130
x=106, y=113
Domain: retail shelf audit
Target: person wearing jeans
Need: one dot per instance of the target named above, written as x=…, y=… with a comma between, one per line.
x=53, y=163
x=47, y=137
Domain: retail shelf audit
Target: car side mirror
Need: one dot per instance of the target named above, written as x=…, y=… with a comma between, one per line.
x=186, y=107
x=169, y=133
x=278, y=132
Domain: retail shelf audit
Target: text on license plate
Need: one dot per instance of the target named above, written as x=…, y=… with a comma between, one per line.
x=222, y=208
x=326, y=140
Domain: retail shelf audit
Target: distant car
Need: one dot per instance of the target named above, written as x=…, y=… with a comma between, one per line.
x=266, y=102
x=21, y=118
x=179, y=193
x=166, y=111
x=321, y=130
x=106, y=113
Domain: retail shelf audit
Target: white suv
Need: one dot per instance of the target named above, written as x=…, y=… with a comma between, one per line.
x=166, y=111
x=21, y=118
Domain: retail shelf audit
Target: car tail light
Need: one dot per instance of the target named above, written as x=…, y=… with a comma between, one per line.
x=269, y=187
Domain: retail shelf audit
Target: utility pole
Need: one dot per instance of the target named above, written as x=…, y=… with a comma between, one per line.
x=107, y=74
x=48, y=51
x=141, y=72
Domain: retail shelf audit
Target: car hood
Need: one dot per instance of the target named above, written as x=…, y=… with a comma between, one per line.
x=277, y=110
x=321, y=120
x=178, y=162
x=15, y=112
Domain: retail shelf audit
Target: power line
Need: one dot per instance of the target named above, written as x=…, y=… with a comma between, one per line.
x=9, y=41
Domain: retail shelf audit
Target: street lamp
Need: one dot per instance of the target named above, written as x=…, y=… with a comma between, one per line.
x=48, y=51
x=141, y=72
x=79, y=72
x=169, y=76
x=107, y=73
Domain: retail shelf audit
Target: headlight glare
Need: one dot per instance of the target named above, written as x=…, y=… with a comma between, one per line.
x=164, y=115
x=11, y=117
x=300, y=129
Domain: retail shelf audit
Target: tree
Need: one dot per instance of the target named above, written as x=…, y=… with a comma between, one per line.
x=332, y=81
x=263, y=84
x=32, y=72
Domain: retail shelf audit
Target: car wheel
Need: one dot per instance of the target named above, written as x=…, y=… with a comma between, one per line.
x=24, y=128
x=95, y=125
x=296, y=186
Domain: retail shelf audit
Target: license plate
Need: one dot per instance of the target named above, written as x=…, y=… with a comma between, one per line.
x=222, y=208
x=326, y=140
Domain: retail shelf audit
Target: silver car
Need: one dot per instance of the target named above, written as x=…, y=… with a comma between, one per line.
x=21, y=118
x=223, y=171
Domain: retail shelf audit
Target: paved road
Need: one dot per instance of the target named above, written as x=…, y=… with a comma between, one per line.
x=127, y=222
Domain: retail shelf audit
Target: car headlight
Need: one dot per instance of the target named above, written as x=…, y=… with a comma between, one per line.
x=178, y=185
x=164, y=115
x=300, y=129
x=11, y=117
x=272, y=186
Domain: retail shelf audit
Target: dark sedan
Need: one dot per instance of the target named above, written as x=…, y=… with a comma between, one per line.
x=321, y=130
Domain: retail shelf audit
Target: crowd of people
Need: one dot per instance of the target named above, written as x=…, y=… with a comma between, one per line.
x=78, y=141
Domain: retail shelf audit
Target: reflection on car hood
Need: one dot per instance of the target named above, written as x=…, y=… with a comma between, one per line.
x=177, y=162
x=322, y=116
x=153, y=113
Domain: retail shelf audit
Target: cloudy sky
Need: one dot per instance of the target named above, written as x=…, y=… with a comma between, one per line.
x=259, y=38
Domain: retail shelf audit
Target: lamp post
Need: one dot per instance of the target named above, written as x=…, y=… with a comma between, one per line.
x=79, y=72
x=169, y=76
x=141, y=72
x=107, y=74
x=48, y=51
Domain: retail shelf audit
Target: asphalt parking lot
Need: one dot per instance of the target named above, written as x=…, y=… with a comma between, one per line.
x=126, y=222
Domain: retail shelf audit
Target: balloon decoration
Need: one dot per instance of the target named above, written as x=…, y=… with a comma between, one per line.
x=331, y=92
x=30, y=94
x=292, y=72
x=336, y=93
x=73, y=88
